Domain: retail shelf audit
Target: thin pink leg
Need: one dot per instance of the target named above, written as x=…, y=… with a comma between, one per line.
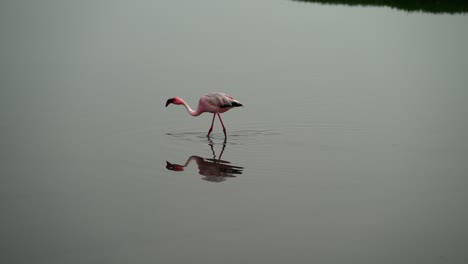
x=224, y=129
x=222, y=150
x=211, y=128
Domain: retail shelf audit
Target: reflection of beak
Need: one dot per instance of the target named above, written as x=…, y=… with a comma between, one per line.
x=169, y=101
x=174, y=167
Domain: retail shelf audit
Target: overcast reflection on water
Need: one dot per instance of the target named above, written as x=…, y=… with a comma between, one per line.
x=212, y=169
x=351, y=145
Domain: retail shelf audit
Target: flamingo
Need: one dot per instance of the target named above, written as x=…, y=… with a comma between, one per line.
x=213, y=170
x=215, y=103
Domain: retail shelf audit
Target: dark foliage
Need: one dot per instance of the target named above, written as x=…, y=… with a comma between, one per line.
x=431, y=6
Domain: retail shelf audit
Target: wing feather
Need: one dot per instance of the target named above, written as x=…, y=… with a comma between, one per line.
x=220, y=100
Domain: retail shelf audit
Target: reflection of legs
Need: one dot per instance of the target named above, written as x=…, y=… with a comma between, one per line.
x=211, y=128
x=212, y=150
x=222, y=150
x=214, y=153
x=224, y=129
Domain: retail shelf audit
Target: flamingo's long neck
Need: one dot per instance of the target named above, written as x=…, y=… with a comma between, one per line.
x=197, y=159
x=191, y=111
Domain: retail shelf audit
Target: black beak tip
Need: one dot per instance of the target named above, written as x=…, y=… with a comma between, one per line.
x=169, y=101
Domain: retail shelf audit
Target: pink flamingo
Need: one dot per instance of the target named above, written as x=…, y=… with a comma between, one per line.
x=213, y=170
x=215, y=103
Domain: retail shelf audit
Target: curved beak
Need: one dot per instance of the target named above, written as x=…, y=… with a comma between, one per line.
x=169, y=101
x=174, y=167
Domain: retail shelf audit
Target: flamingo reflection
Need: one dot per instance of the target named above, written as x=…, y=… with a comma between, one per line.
x=213, y=170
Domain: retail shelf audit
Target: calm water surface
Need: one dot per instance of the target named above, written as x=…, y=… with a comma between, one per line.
x=352, y=146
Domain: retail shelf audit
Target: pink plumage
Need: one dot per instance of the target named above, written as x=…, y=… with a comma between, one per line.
x=215, y=103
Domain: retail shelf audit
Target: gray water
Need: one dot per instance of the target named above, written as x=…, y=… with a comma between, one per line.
x=351, y=146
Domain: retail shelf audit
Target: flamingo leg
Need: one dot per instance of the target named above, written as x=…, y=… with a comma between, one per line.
x=212, y=150
x=211, y=128
x=222, y=150
x=224, y=129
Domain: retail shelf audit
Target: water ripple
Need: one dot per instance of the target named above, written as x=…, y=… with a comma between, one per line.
x=234, y=137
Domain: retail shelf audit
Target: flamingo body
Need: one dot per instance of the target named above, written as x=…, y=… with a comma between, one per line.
x=215, y=103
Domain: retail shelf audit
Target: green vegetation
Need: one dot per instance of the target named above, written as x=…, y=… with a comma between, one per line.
x=432, y=6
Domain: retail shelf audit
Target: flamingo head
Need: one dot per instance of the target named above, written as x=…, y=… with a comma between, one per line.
x=174, y=167
x=175, y=100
